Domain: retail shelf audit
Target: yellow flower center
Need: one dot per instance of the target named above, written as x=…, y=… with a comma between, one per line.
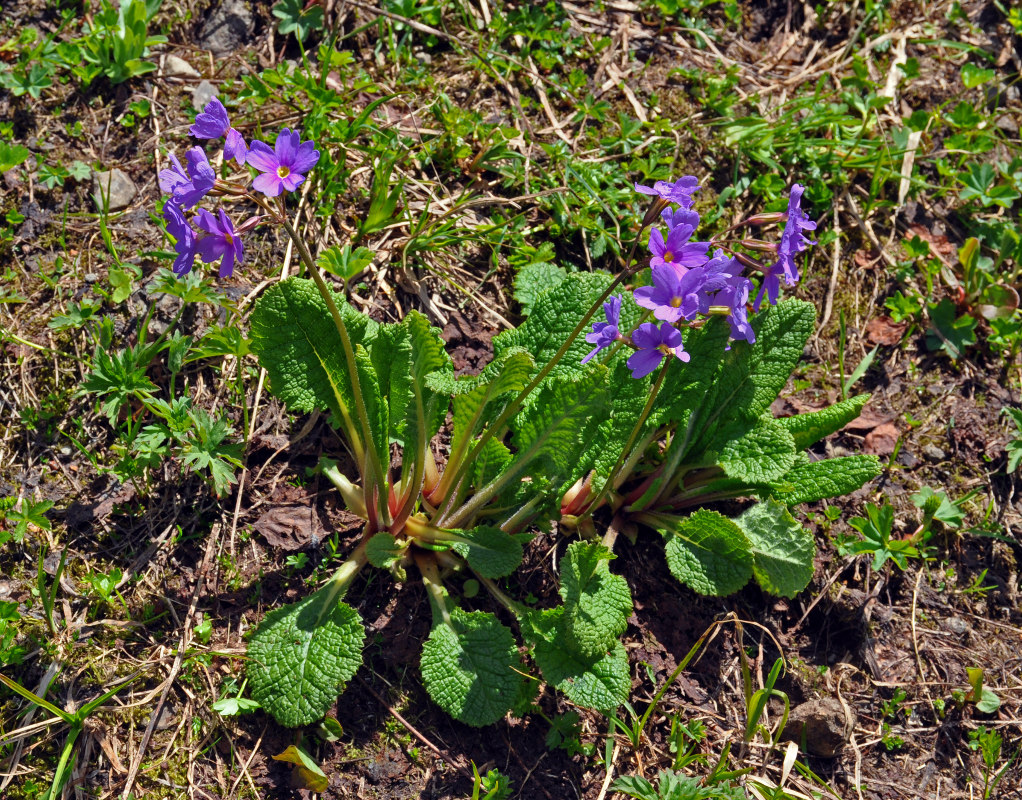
x=676, y=302
x=228, y=238
x=668, y=256
x=283, y=171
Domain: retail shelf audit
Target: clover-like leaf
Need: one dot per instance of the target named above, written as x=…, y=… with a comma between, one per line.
x=470, y=667
x=301, y=655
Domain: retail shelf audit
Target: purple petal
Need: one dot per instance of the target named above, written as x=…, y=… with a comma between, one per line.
x=643, y=362
x=210, y=248
x=227, y=265
x=656, y=242
x=212, y=123
x=306, y=158
x=292, y=181
x=644, y=189
x=287, y=146
x=261, y=156
x=207, y=222
x=235, y=147
x=174, y=176
x=268, y=183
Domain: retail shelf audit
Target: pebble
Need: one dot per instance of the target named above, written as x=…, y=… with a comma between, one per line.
x=228, y=27
x=934, y=453
x=958, y=625
x=115, y=187
x=176, y=67
x=821, y=725
x=202, y=94
x=91, y=277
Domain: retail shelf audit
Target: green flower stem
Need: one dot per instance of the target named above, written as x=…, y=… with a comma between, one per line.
x=349, y=355
x=346, y=573
x=609, y=482
x=517, y=609
x=434, y=586
x=497, y=428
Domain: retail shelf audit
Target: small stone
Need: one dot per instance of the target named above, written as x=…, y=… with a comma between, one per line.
x=91, y=277
x=228, y=27
x=113, y=190
x=202, y=94
x=175, y=67
x=958, y=626
x=934, y=453
x=820, y=726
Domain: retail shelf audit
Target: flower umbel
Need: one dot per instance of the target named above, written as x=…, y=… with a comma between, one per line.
x=653, y=344
x=284, y=165
x=221, y=241
x=605, y=333
x=793, y=241
x=187, y=190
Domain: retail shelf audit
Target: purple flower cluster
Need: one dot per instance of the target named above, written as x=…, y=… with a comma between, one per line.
x=281, y=168
x=689, y=283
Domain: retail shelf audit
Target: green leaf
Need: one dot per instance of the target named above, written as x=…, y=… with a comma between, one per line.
x=808, y=481
x=706, y=551
x=755, y=455
x=973, y=76
x=809, y=428
x=204, y=448
x=343, y=261
x=685, y=389
x=751, y=376
x=12, y=155
x=946, y=512
x=949, y=332
x=553, y=318
x=403, y=355
x=597, y=603
x=490, y=552
x=384, y=551
x=534, y=279
x=477, y=400
x=602, y=684
x=782, y=550
x=471, y=667
x=309, y=773
x=988, y=702
x=302, y=654
x=296, y=341
x=548, y=433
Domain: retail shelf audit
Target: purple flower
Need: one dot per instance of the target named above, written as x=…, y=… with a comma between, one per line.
x=212, y=123
x=184, y=238
x=284, y=165
x=173, y=177
x=653, y=344
x=673, y=296
x=680, y=216
x=605, y=333
x=679, y=192
x=221, y=241
x=735, y=295
x=235, y=147
x=677, y=250
x=793, y=242
x=188, y=189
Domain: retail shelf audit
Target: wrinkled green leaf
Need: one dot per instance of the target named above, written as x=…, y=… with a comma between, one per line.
x=782, y=550
x=706, y=551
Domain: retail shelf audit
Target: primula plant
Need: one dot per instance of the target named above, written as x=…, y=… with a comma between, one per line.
x=640, y=417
